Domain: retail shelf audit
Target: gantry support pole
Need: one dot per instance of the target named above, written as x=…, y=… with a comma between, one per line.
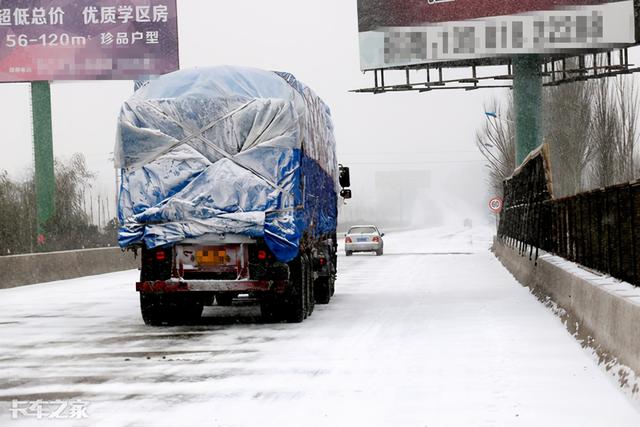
x=45, y=181
x=527, y=98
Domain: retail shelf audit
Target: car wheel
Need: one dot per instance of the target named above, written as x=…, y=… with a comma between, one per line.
x=349, y=253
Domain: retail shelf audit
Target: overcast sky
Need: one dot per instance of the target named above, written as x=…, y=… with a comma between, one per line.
x=316, y=41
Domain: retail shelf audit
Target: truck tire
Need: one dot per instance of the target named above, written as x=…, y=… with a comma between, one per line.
x=294, y=308
x=169, y=310
x=224, y=300
x=311, y=301
x=322, y=287
x=271, y=309
x=305, y=283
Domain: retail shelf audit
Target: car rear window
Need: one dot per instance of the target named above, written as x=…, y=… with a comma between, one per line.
x=362, y=230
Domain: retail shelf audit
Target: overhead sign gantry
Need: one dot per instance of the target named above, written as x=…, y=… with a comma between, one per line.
x=531, y=38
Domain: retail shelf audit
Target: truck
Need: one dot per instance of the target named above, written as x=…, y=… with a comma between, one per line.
x=229, y=185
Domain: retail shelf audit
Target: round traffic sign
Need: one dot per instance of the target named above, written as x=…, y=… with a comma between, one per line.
x=495, y=205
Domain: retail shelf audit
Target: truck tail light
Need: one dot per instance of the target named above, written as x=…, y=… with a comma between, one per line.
x=262, y=255
x=347, y=239
x=161, y=255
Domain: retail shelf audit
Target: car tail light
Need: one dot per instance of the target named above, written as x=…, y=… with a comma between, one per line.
x=161, y=255
x=376, y=239
x=347, y=239
x=262, y=255
x=323, y=262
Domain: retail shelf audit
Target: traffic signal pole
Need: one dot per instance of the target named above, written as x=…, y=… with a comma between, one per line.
x=45, y=181
x=527, y=98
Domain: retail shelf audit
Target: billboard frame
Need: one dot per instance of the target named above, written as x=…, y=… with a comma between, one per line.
x=403, y=25
x=555, y=71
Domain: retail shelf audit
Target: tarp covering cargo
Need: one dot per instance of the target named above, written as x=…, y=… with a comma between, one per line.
x=226, y=150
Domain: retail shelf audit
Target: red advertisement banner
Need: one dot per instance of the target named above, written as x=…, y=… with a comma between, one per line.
x=97, y=40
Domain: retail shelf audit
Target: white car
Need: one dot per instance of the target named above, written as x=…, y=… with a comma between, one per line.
x=364, y=238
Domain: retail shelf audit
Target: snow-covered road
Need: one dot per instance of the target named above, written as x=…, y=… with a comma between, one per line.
x=435, y=333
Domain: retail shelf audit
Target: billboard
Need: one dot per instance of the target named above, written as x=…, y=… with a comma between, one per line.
x=81, y=40
x=396, y=33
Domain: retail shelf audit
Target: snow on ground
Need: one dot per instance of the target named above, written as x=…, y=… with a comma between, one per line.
x=435, y=333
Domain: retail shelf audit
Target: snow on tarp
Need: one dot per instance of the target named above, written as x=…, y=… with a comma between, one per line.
x=219, y=150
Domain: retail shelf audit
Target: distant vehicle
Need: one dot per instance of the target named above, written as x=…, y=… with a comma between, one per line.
x=364, y=238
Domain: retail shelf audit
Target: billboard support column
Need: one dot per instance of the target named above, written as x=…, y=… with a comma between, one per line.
x=527, y=97
x=45, y=181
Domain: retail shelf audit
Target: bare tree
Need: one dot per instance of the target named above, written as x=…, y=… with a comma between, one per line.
x=496, y=142
x=604, y=135
x=590, y=127
x=627, y=109
x=69, y=228
x=566, y=128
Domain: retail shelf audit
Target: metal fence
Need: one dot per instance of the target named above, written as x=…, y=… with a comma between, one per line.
x=596, y=229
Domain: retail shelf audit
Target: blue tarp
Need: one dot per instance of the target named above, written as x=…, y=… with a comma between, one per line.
x=226, y=150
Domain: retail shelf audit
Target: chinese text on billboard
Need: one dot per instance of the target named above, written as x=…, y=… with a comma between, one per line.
x=412, y=32
x=71, y=40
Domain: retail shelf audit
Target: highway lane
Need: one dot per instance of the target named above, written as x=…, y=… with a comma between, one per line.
x=434, y=333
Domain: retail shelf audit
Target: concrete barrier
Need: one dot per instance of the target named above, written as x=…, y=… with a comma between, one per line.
x=20, y=270
x=607, y=311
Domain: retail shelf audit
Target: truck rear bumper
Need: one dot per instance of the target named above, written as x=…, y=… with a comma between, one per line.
x=239, y=286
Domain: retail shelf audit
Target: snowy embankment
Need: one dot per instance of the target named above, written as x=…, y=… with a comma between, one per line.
x=601, y=312
x=434, y=333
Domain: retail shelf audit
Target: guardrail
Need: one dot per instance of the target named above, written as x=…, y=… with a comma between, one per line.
x=28, y=269
x=596, y=229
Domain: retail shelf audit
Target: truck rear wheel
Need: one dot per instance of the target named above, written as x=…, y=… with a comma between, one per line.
x=271, y=309
x=311, y=299
x=322, y=287
x=294, y=304
x=169, y=309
